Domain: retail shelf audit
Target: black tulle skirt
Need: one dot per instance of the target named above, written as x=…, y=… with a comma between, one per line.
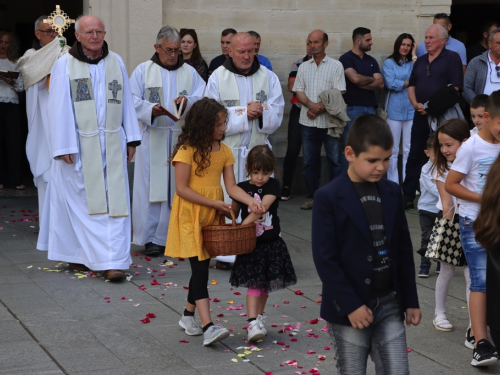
x=268, y=267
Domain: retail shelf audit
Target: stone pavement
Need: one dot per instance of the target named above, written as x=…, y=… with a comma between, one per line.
x=57, y=321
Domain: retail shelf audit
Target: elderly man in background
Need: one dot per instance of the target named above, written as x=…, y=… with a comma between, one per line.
x=483, y=73
x=315, y=76
x=93, y=134
x=35, y=66
x=435, y=70
x=159, y=83
x=254, y=100
x=452, y=44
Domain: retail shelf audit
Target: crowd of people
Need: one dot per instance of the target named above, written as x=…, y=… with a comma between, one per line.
x=199, y=134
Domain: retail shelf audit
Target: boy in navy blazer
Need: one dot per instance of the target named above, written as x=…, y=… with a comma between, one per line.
x=363, y=254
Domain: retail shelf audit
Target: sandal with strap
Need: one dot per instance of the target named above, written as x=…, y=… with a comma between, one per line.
x=441, y=323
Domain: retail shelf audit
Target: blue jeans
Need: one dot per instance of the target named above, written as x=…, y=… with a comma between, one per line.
x=475, y=255
x=293, y=146
x=312, y=138
x=384, y=340
x=352, y=113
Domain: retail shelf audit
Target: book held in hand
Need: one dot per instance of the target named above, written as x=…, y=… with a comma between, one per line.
x=9, y=74
x=177, y=113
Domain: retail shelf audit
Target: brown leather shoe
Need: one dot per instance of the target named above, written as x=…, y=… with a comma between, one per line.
x=113, y=275
x=78, y=267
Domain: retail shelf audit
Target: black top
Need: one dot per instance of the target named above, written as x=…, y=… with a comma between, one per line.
x=215, y=63
x=366, y=66
x=427, y=78
x=474, y=51
x=271, y=224
x=200, y=66
x=493, y=288
x=381, y=283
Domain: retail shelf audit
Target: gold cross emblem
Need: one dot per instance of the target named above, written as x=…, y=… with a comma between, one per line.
x=59, y=20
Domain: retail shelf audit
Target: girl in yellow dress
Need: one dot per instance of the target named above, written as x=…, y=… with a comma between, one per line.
x=200, y=159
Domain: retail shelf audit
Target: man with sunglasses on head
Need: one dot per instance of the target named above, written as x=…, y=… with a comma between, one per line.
x=435, y=70
x=164, y=81
x=93, y=135
x=35, y=66
x=483, y=73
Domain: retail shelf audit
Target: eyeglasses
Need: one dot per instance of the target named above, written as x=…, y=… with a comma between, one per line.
x=92, y=32
x=48, y=32
x=497, y=69
x=170, y=51
x=428, y=70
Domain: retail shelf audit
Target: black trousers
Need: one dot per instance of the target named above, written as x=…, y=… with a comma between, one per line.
x=420, y=132
x=199, y=280
x=11, y=145
x=293, y=146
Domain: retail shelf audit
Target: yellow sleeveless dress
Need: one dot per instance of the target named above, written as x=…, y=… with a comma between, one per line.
x=184, y=239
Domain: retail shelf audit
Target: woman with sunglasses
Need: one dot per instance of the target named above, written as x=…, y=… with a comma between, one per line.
x=191, y=52
x=11, y=142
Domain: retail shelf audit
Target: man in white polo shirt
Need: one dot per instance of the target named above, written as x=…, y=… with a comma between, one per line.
x=321, y=73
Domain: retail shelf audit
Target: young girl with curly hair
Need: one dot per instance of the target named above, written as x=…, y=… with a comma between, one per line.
x=200, y=159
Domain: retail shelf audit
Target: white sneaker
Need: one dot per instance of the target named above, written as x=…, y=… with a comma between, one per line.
x=262, y=320
x=214, y=334
x=190, y=326
x=255, y=333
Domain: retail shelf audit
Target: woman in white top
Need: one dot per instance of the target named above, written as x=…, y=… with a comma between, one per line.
x=11, y=147
x=448, y=138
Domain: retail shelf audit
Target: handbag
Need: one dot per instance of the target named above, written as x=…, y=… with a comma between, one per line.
x=444, y=243
x=382, y=113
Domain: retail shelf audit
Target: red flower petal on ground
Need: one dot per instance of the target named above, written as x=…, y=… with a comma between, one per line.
x=145, y=320
x=321, y=357
x=181, y=259
x=215, y=300
x=106, y=297
x=294, y=339
x=280, y=343
x=311, y=352
x=150, y=315
x=237, y=293
x=286, y=302
x=220, y=315
x=123, y=298
x=184, y=341
x=147, y=259
x=298, y=292
x=154, y=282
x=326, y=348
x=186, y=287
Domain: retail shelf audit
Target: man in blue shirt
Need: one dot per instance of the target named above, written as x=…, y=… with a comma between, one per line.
x=263, y=60
x=363, y=79
x=452, y=44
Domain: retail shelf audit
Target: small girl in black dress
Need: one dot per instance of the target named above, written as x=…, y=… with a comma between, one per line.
x=268, y=267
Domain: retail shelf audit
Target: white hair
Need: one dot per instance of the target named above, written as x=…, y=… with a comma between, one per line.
x=39, y=20
x=490, y=38
x=77, y=23
x=443, y=33
x=170, y=34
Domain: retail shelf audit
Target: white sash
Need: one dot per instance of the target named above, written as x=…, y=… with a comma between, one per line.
x=230, y=97
x=86, y=119
x=159, y=147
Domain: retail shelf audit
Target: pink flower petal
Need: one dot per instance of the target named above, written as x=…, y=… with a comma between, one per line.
x=311, y=352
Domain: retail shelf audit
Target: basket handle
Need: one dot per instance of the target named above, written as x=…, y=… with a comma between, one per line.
x=222, y=220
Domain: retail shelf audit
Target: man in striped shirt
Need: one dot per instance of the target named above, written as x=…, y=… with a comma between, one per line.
x=321, y=73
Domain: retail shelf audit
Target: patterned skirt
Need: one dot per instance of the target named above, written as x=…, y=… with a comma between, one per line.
x=268, y=268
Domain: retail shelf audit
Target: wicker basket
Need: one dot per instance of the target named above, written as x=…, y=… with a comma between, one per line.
x=229, y=239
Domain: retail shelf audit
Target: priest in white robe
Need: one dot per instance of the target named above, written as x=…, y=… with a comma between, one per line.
x=35, y=66
x=93, y=134
x=254, y=100
x=166, y=81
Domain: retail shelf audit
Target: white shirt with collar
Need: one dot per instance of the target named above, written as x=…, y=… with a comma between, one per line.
x=492, y=79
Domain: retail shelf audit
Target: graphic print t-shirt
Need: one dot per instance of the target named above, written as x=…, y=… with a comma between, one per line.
x=382, y=282
x=474, y=159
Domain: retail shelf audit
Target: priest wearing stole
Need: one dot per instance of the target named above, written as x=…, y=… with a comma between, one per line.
x=93, y=134
x=253, y=97
x=35, y=66
x=163, y=82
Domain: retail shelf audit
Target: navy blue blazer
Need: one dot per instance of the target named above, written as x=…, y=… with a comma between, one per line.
x=343, y=248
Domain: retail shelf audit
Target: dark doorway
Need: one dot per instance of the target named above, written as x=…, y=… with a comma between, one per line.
x=469, y=16
x=20, y=16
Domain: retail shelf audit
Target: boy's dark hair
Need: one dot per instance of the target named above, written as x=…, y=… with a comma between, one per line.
x=492, y=105
x=479, y=101
x=430, y=142
x=360, y=32
x=369, y=130
x=226, y=32
x=261, y=158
